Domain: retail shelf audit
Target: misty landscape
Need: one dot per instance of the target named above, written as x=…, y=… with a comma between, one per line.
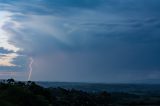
x=79, y=52
x=16, y=93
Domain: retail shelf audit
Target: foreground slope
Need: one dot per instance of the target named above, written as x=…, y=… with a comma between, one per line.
x=13, y=93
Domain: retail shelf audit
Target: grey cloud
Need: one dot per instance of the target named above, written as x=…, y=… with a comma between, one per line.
x=3, y=51
x=97, y=38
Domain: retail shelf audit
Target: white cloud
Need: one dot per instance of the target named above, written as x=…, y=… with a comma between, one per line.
x=6, y=42
x=7, y=59
x=4, y=35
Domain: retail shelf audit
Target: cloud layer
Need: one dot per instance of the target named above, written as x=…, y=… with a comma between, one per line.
x=95, y=39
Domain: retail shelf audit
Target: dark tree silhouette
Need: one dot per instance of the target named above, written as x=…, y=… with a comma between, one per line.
x=13, y=93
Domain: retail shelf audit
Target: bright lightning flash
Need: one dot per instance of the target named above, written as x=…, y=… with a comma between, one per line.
x=30, y=68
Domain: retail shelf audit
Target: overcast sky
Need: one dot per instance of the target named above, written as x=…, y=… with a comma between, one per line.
x=80, y=40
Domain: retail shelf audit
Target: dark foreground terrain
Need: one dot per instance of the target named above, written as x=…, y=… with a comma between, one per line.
x=30, y=94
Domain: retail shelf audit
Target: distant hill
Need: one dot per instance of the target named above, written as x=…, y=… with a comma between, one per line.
x=148, y=81
x=99, y=87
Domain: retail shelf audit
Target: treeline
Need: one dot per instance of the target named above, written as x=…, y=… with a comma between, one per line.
x=13, y=93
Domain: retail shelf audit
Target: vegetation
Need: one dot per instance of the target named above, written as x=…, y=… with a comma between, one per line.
x=14, y=93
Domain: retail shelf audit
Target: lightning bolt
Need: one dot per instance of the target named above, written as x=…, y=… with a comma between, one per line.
x=30, y=68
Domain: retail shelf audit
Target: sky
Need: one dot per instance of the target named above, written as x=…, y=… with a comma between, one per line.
x=111, y=41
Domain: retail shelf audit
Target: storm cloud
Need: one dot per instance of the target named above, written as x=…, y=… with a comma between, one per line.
x=99, y=40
